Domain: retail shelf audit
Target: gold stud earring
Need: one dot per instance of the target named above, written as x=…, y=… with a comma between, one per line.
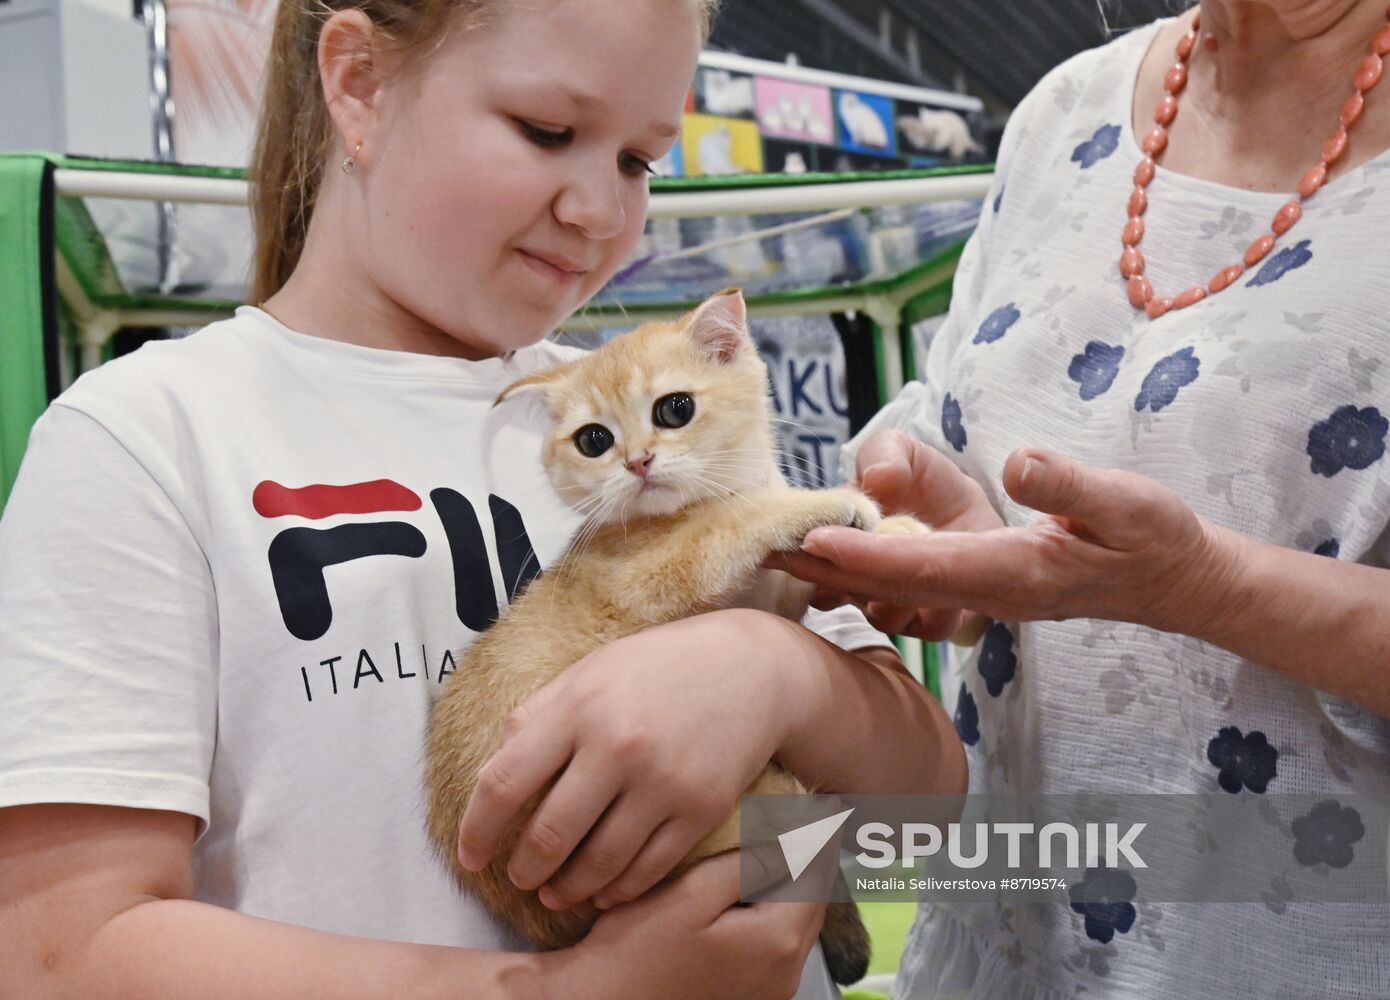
x=349, y=163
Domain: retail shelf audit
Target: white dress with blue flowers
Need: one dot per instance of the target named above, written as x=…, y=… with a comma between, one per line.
x=1266, y=408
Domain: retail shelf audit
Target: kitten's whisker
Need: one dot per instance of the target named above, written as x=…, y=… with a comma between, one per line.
x=724, y=493
x=724, y=468
x=794, y=425
x=588, y=529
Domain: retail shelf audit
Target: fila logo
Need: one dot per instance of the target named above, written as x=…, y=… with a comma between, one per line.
x=299, y=555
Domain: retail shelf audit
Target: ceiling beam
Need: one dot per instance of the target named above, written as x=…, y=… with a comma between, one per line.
x=869, y=40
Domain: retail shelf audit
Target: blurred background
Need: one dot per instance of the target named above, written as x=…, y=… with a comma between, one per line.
x=179, y=79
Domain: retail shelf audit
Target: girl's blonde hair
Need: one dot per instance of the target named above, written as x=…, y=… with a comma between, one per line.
x=295, y=133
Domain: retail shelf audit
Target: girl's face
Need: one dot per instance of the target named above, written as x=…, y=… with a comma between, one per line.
x=509, y=176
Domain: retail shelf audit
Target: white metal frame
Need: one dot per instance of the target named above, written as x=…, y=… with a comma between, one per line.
x=841, y=81
x=99, y=324
x=664, y=205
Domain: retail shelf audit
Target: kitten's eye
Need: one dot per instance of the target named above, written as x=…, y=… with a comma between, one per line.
x=674, y=410
x=593, y=440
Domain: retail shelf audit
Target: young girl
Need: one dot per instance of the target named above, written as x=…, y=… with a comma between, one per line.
x=236, y=568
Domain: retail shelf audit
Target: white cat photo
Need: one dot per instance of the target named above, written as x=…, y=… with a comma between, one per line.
x=726, y=94
x=865, y=128
x=939, y=131
x=715, y=153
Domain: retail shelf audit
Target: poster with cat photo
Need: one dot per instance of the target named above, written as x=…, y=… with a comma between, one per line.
x=934, y=135
x=791, y=110
x=865, y=123
x=714, y=146
x=783, y=157
x=723, y=93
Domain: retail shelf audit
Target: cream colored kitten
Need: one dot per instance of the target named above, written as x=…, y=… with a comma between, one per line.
x=664, y=440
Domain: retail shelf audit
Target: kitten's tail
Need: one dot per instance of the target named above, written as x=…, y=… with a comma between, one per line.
x=845, y=942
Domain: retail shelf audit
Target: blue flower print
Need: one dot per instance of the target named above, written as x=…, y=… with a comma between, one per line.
x=1105, y=897
x=1161, y=385
x=967, y=718
x=997, y=324
x=1326, y=834
x=1095, y=370
x=1349, y=439
x=997, y=663
x=951, y=425
x=999, y=199
x=1282, y=263
x=1247, y=761
x=1330, y=548
x=1097, y=147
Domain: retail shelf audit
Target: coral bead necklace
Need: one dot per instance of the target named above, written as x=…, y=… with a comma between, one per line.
x=1140, y=289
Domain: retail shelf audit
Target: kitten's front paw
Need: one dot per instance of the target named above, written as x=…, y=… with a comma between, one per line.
x=852, y=508
x=901, y=524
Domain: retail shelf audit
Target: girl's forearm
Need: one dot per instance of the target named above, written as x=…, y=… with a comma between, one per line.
x=858, y=722
x=1315, y=619
x=181, y=948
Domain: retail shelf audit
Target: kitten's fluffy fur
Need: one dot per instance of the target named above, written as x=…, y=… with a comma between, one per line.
x=691, y=541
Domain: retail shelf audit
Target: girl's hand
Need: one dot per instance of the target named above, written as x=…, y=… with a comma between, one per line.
x=906, y=476
x=649, y=740
x=688, y=939
x=1114, y=545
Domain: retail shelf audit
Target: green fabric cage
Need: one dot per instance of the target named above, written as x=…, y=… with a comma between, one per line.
x=89, y=248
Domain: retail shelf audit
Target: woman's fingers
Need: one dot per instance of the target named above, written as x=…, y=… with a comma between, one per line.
x=907, y=476
x=829, y=600
x=889, y=618
x=929, y=624
x=982, y=570
x=883, y=568
x=565, y=815
x=1116, y=508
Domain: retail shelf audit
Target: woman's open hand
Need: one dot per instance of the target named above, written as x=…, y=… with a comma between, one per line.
x=906, y=476
x=1113, y=545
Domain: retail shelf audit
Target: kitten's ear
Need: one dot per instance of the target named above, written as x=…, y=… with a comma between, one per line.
x=720, y=326
x=536, y=385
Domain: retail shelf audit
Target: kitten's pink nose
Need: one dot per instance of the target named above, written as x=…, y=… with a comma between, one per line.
x=641, y=465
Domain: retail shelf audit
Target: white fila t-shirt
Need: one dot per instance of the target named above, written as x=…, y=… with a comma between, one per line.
x=233, y=572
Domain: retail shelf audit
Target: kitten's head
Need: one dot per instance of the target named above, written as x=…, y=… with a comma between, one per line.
x=664, y=416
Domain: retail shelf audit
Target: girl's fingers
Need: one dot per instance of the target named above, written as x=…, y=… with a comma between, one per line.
x=772, y=921
x=565, y=815
x=529, y=758
x=667, y=847
x=709, y=888
x=607, y=852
